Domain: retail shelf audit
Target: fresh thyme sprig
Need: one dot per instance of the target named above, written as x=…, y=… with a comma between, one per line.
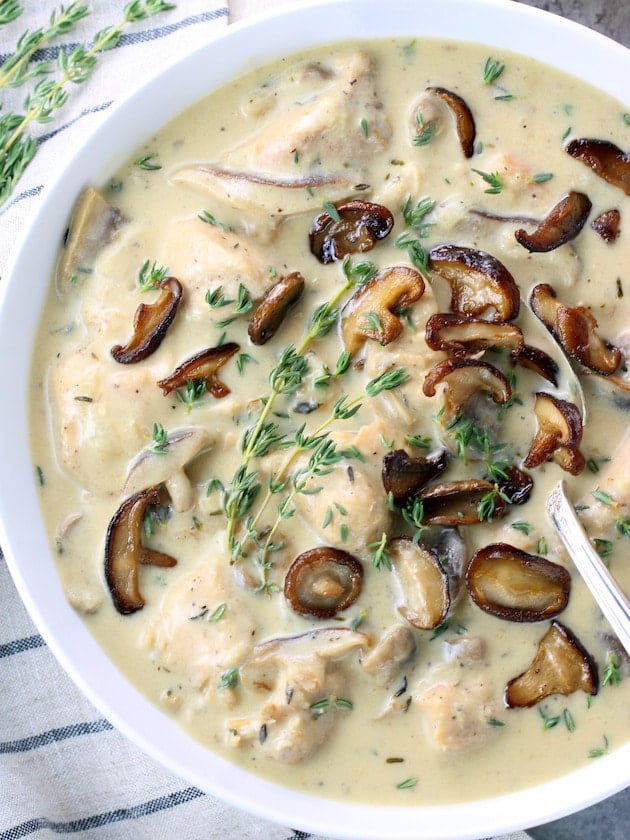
x=324, y=456
x=16, y=70
x=496, y=185
x=17, y=148
x=10, y=10
x=150, y=275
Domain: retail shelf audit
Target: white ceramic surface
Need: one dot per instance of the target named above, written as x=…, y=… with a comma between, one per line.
x=500, y=24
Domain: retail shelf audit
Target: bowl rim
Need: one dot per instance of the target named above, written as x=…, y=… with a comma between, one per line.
x=516, y=29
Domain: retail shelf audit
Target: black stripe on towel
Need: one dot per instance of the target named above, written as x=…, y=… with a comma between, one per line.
x=20, y=645
x=153, y=806
x=42, y=739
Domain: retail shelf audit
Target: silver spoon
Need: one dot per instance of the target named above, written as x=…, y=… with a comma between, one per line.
x=611, y=600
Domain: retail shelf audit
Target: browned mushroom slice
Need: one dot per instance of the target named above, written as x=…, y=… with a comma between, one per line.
x=323, y=581
x=445, y=331
x=457, y=502
x=516, y=586
x=540, y=362
x=517, y=485
x=166, y=466
x=463, y=378
x=93, y=225
x=464, y=120
x=480, y=284
x=202, y=367
x=356, y=227
x=150, y=323
x=607, y=224
x=561, y=666
x=558, y=435
x=605, y=159
x=562, y=224
x=272, y=309
x=370, y=312
x=124, y=551
x=576, y=330
x=403, y=475
x=423, y=583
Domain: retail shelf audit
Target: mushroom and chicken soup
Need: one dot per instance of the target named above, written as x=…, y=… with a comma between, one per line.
x=304, y=382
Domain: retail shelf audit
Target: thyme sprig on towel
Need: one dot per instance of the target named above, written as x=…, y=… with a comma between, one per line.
x=17, y=146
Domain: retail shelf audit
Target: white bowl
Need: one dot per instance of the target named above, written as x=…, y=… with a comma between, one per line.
x=497, y=23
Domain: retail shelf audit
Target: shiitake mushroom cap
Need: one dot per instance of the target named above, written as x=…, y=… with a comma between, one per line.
x=562, y=665
x=357, y=228
x=561, y=225
x=403, y=475
x=125, y=552
x=274, y=306
x=150, y=323
x=323, y=581
x=481, y=286
x=202, y=367
x=424, y=584
x=513, y=585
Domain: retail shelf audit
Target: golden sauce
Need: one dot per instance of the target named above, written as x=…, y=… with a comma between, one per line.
x=91, y=416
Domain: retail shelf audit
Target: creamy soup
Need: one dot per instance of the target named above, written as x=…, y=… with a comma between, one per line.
x=295, y=422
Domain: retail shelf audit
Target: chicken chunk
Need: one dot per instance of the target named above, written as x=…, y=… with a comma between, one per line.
x=204, y=256
x=357, y=486
x=95, y=409
x=311, y=122
x=457, y=714
x=305, y=682
x=188, y=638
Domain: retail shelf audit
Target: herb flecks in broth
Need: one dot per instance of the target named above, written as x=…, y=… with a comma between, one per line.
x=346, y=433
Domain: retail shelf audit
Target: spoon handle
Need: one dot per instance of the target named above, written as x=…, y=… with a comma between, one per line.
x=611, y=600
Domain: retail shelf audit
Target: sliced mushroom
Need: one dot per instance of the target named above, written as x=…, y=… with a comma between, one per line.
x=454, y=333
x=390, y=290
x=462, y=379
x=258, y=191
x=561, y=666
x=517, y=485
x=357, y=227
x=124, y=551
x=403, y=475
x=607, y=224
x=480, y=284
x=540, y=362
x=274, y=306
x=93, y=224
x=516, y=586
x=558, y=435
x=150, y=323
x=166, y=466
x=423, y=583
x=452, y=552
x=202, y=367
x=323, y=581
x=392, y=651
x=576, y=330
x=561, y=225
x=457, y=502
x=605, y=159
x=464, y=120
x=324, y=642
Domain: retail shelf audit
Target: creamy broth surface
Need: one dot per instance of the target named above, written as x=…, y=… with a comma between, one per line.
x=216, y=644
